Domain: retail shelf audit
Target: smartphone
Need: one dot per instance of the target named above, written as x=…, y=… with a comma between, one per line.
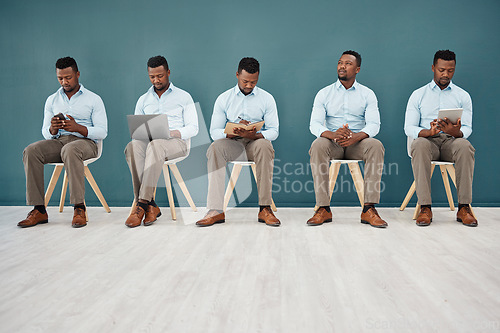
x=60, y=116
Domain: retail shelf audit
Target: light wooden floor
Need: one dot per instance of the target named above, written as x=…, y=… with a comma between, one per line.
x=243, y=276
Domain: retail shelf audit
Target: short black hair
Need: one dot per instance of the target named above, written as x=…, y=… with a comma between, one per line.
x=158, y=61
x=66, y=62
x=355, y=54
x=445, y=55
x=251, y=65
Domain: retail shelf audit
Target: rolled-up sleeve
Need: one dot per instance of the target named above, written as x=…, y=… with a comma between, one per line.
x=99, y=128
x=372, y=115
x=318, y=115
x=48, y=113
x=219, y=119
x=270, y=131
x=466, y=116
x=190, y=128
x=412, y=117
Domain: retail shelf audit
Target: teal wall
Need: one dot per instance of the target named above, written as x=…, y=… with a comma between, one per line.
x=297, y=43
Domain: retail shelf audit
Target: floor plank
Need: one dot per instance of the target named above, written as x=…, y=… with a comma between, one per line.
x=242, y=276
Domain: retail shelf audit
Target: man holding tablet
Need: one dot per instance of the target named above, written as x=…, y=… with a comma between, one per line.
x=145, y=158
x=441, y=139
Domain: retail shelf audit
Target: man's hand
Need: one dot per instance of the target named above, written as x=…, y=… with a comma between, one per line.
x=448, y=127
x=71, y=125
x=248, y=134
x=432, y=131
x=175, y=134
x=55, y=125
x=355, y=137
x=342, y=133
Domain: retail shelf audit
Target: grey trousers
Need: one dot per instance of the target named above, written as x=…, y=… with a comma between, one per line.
x=68, y=149
x=225, y=150
x=145, y=160
x=442, y=147
x=370, y=150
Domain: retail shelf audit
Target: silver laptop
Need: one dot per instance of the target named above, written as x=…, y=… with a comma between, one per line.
x=148, y=127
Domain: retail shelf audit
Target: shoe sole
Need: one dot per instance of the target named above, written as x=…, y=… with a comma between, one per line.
x=151, y=222
x=208, y=225
x=28, y=226
x=467, y=225
x=271, y=225
x=423, y=224
x=78, y=225
x=375, y=226
x=315, y=224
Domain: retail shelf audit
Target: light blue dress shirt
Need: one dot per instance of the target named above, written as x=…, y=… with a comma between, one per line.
x=424, y=105
x=85, y=107
x=177, y=104
x=335, y=106
x=257, y=106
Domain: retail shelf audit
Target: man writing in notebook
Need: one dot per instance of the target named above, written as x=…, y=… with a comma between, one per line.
x=244, y=103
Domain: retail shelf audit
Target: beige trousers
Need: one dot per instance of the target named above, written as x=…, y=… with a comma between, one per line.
x=226, y=150
x=68, y=149
x=370, y=150
x=442, y=147
x=145, y=160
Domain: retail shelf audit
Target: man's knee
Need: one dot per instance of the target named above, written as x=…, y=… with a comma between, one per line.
x=70, y=151
x=319, y=146
x=420, y=145
x=263, y=147
x=463, y=147
x=374, y=146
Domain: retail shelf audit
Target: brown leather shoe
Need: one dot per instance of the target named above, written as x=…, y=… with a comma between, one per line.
x=321, y=216
x=211, y=218
x=266, y=216
x=79, y=219
x=424, y=218
x=151, y=215
x=372, y=218
x=34, y=217
x=465, y=216
x=135, y=218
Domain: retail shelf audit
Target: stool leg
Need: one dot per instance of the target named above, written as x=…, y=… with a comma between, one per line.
x=232, y=182
x=407, y=199
x=52, y=183
x=182, y=185
x=444, y=175
x=357, y=177
x=96, y=189
x=63, y=192
x=168, y=185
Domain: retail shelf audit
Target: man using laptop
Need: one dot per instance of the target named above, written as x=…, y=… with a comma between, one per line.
x=74, y=118
x=440, y=139
x=145, y=158
x=245, y=103
x=345, y=118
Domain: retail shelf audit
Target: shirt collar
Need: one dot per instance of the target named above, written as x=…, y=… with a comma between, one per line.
x=339, y=85
x=254, y=92
x=79, y=92
x=171, y=87
x=433, y=85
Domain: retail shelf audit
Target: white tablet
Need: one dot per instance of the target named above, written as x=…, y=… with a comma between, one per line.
x=451, y=114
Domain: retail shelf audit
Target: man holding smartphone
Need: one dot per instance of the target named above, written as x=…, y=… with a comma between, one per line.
x=440, y=139
x=74, y=118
